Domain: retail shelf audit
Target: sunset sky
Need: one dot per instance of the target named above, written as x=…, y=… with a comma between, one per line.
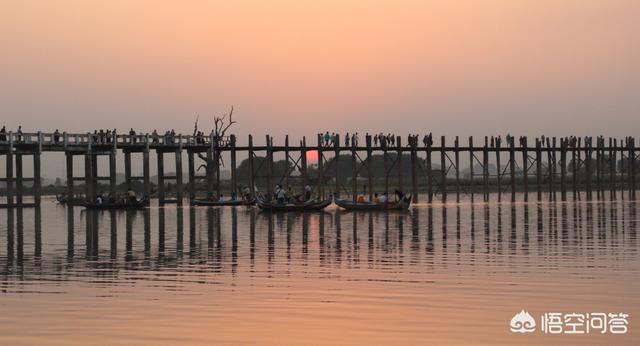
x=452, y=67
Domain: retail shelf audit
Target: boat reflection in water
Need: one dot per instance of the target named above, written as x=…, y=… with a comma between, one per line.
x=379, y=277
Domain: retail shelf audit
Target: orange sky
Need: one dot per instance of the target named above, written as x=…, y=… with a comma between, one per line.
x=452, y=67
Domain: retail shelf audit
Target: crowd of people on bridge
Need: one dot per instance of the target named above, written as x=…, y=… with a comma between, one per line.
x=330, y=140
x=169, y=137
x=381, y=139
x=103, y=136
x=387, y=140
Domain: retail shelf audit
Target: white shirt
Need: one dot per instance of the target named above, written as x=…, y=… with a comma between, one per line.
x=382, y=198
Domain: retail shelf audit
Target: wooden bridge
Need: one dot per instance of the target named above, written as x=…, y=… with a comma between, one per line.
x=549, y=165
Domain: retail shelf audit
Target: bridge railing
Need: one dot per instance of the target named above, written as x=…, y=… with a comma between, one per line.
x=117, y=140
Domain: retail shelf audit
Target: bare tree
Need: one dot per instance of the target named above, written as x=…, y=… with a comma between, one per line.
x=221, y=125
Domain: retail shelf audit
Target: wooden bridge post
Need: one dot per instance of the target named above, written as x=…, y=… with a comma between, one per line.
x=580, y=161
x=598, y=167
x=217, y=153
x=9, y=172
x=539, y=169
x=471, y=162
x=624, y=168
x=563, y=169
x=429, y=175
x=70, y=184
x=485, y=169
x=385, y=160
x=369, y=168
x=146, y=179
x=210, y=171
x=94, y=175
x=161, y=196
x=19, y=180
x=37, y=176
x=234, y=174
x=354, y=174
x=457, y=159
x=399, y=163
x=613, y=143
x=554, y=171
x=127, y=169
x=588, y=149
x=551, y=167
x=303, y=159
x=443, y=170
x=336, y=164
x=89, y=194
x=252, y=179
x=112, y=173
x=632, y=156
x=179, y=186
x=512, y=167
x=574, y=169
x=414, y=173
x=287, y=161
x=192, y=175
x=320, y=167
x=269, y=162
x=498, y=145
x=525, y=168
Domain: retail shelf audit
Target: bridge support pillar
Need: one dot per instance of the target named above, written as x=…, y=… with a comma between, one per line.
x=145, y=175
x=179, y=187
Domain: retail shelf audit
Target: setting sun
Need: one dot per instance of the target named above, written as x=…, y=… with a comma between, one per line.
x=312, y=156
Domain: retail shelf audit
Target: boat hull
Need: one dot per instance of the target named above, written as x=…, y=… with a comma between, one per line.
x=112, y=206
x=239, y=202
x=275, y=207
x=350, y=205
x=70, y=201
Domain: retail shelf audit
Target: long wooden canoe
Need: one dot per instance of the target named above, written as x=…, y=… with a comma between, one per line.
x=313, y=205
x=117, y=205
x=402, y=204
x=229, y=202
x=70, y=201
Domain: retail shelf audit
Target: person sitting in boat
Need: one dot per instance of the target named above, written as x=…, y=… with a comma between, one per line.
x=281, y=196
x=382, y=199
x=399, y=195
x=131, y=196
x=246, y=193
x=376, y=199
x=307, y=192
x=99, y=199
x=360, y=199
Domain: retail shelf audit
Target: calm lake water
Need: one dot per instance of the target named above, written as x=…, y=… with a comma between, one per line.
x=439, y=274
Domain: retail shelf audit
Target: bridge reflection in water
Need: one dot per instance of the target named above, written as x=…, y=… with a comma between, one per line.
x=226, y=239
